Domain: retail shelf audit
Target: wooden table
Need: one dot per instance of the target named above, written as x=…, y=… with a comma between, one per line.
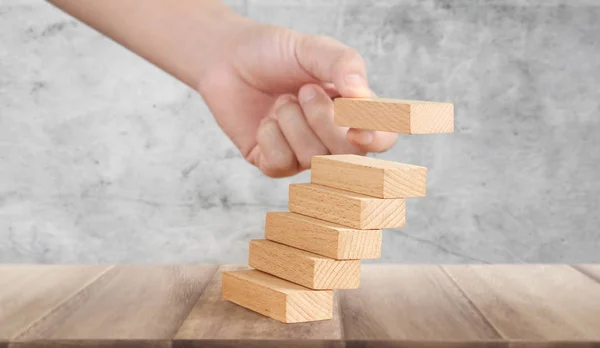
x=396, y=306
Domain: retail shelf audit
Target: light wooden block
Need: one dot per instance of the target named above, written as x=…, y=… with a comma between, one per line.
x=394, y=115
x=276, y=298
x=322, y=237
x=369, y=176
x=346, y=208
x=302, y=267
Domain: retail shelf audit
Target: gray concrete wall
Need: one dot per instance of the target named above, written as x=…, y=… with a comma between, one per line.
x=104, y=158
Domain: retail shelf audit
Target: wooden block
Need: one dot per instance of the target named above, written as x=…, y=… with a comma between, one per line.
x=215, y=322
x=393, y=115
x=322, y=237
x=302, y=267
x=369, y=176
x=346, y=208
x=277, y=298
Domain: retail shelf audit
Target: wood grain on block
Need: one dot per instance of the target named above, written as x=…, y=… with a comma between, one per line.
x=322, y=237
x=369, y=176
x=414, y=303
x=394, y=115
x=28, y=293
x=346, y=208
x=127, y=302
x=533, y=302
x=277, y=298
x=302, y=267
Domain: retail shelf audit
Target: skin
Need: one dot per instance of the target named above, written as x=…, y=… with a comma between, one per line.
x=269, y=88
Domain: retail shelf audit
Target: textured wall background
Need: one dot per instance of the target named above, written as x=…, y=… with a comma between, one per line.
x=104, y=158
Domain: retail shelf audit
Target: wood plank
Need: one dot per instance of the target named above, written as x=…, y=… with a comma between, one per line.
x=410, y=303
x=533, y=302
x=215, y=322
x=592, y=271
x=30, y=292
x=276, y=298
x=346, y=208
x=260, y=343
x=127, y=302
x=85, y=343
x=397, y=306
x=553, y=344
x=394, y=115
x=302, y=267
x=369, y=176
x=424, y=344
x=322, y=237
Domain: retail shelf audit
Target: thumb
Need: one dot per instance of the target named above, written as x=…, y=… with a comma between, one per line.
x=328, y=60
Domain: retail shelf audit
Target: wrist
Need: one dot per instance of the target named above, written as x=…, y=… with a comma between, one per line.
x=218, y=34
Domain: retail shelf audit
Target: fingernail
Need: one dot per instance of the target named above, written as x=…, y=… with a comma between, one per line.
x=356, y=86
x=362, y=137
x=356, y=81
x=262, y=160
x=307, y=94
x=282, y=101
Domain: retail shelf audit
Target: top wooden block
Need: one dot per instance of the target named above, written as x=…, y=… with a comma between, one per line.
x=369, y=176
x=393, y=115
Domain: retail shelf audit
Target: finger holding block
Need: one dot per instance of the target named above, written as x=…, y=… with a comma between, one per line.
x=302, y=267
x=394, y=115
x=346, y=208
x=369, y=176
x=322, y=237
x=276, y=298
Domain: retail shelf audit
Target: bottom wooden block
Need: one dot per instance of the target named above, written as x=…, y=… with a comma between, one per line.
x=277, y=298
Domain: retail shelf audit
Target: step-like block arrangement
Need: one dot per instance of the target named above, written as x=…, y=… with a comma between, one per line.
x=336, y=220
x=346, y=208
x=322, y=237
x=393, y=115
x=276, y=298
x=302, y=267
x=369, y=176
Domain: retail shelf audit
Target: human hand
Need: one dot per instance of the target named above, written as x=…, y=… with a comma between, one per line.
x=268, y=87
x=270, y=90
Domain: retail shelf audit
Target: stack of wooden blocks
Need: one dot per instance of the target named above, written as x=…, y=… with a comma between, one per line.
x=336, y=220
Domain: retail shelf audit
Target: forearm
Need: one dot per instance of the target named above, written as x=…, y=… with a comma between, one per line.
x=181, y=36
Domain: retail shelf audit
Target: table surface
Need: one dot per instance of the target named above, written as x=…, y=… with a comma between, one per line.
x=396, y=306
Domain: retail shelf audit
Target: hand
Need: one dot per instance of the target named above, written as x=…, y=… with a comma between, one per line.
x=270, y=90
x=268, y=87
